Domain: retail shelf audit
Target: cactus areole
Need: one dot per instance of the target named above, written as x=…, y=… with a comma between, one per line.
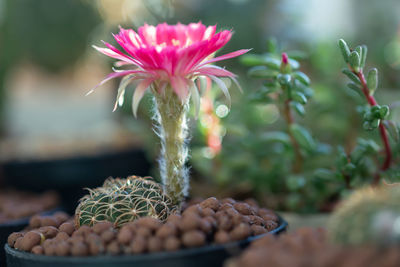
x=174, y=63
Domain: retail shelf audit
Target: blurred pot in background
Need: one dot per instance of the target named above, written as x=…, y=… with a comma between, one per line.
x=52, y=138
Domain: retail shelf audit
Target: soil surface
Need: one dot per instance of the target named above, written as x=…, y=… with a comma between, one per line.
x=209, y=221
x=17, y=204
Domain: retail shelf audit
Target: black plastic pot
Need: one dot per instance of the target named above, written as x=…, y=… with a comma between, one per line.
x=6, y=229
x=14, y=226
x=68, y=176
x=207, y=256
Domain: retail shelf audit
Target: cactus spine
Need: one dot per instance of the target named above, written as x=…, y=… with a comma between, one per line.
x=123, y=200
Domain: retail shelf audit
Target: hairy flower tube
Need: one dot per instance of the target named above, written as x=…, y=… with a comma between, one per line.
x=172, y=61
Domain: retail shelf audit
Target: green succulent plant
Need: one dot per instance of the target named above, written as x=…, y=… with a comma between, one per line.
x=369, y=215
x=123, y=200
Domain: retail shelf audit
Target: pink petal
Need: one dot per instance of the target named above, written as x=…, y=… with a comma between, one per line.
x=110, y=53
x=115, y=75
x=194, y=91
x=127, y=58
x=139, y=93
x=148, y=34
x=121, y=63
x=210, y=31
x=226, y=56
x=121, y=91
x=180, y=87
x=166, y=34
x=214, y=70
x=196, y=31
x=205, y=48
x=223, y=88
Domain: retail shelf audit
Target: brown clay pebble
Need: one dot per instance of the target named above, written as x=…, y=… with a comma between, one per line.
x=143, y=232
x=211, y=220
x=113, y=248
x=226, y=206
x=61, y=217
x=30, y=240
x=76, y=239
x=79, y=249
x=252, y=202
x=190, y=221
x=222, y=237
x=124, y=235
x=254, y=219
x=18, y=243
x=246, y=219
x=263, y=211
x=166, y=230
x=67, y=227
x=258, y=230
x=270, y=217
x=194, y=238
x=205, y=226
x=108, y=235
x=267, y=240
x=174, y=218
x=228, y=200
x=62, y=236
x=243, y=208
x=138, y=245
x=240, y=232
x=208, y=212
x=211, y=203
x=172, y=243
x=48, y=231
x=224, y=222
x=96, y=246
x=49, y=248
x=231, y=211
x=131, y=225
x=62, y=248
x=154, y=244
x=35, y=221
x=48, y=221
x=13, y=237
x=196, y=209
x=38, y=250
x=149, y=222
x=83, y=230
x=270, y=225
x=100, y=227
x=239, y=218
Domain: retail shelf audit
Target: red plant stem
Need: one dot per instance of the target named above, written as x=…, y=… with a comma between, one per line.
x=297, y=167
x=372, y=102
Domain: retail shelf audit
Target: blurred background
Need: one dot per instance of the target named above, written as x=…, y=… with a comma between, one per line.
x=47, y=65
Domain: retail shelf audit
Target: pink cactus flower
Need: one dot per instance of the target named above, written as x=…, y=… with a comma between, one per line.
x=166, y=57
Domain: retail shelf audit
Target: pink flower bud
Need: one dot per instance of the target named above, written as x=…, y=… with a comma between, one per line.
x=285, y=59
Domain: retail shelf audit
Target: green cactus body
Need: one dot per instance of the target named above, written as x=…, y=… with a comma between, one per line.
x=368, y=216
x=123, y=200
